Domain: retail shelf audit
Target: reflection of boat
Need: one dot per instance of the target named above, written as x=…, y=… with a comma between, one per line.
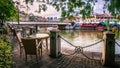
x=100, y=28
x=114, y=28
x=99, y=35
x=88, y=32
x=91, y=26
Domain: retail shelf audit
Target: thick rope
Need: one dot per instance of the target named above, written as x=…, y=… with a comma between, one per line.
x=79, y=49
x=67, y=41
x=117, y=43
x=93, y=44
x=80, y=46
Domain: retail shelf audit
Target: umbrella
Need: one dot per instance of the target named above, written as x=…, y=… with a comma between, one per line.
x=115, y=24
x=76, y=24
x=102, y=23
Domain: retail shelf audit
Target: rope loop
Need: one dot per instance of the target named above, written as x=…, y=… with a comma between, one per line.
x=78, y=49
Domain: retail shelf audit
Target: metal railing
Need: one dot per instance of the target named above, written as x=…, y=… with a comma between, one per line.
x=80, y=49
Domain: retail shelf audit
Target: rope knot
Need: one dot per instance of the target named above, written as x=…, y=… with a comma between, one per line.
x=78, y=49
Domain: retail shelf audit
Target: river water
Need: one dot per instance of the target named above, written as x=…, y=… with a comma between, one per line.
x=84, y=38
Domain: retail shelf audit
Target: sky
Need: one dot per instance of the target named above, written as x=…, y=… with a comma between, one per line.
x=51, y=12
x=98, y=8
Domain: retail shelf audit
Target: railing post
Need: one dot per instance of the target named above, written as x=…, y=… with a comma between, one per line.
x=55, y=43
x=36, y=27
x=108, y=50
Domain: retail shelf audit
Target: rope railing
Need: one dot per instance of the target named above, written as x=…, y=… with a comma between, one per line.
x=80, y=46
x=79, y=49
x=117, y=43
x=93, y=43
x=67, y=41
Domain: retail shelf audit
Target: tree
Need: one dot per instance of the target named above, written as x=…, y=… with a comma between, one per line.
x=42, y=5
x=85, y=7
x=7, y=11
x=70, y=8
x=113, y=7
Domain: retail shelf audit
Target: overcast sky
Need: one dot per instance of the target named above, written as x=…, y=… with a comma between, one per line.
x=98, y=8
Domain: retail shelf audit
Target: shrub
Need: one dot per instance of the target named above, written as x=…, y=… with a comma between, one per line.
x=5, y=52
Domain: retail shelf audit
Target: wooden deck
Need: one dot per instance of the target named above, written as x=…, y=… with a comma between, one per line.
x=45, y=61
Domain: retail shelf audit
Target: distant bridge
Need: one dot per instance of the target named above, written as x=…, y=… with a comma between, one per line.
x=61, y=25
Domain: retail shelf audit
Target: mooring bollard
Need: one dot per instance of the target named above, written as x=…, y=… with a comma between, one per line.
x=108, y=52
x=55, y=43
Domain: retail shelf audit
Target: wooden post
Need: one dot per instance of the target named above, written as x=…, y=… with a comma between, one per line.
x=108, y=51
x=55, y=43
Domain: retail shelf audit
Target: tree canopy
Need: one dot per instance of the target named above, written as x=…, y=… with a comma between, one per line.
x=85, y=7
x=7, y=10
x=71, y=8
x=112, y=6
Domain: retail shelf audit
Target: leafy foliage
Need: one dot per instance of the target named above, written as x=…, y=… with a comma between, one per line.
x=5, y=52
x=85, y=7
x=42, y=5
x=7, y=10
x=72, y=8
x=113, y=6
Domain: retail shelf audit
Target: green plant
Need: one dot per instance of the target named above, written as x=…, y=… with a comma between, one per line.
x=114, y=30
x=4, y=29
x=107, y=24
x=5, y=52
x=117, y=33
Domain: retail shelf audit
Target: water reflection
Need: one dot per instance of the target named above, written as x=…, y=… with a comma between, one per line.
x=72, y=35
x=84, y=38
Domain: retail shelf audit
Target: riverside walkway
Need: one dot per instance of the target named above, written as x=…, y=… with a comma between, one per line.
x=68, y=59
x=76, y=58
x=65, y=61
